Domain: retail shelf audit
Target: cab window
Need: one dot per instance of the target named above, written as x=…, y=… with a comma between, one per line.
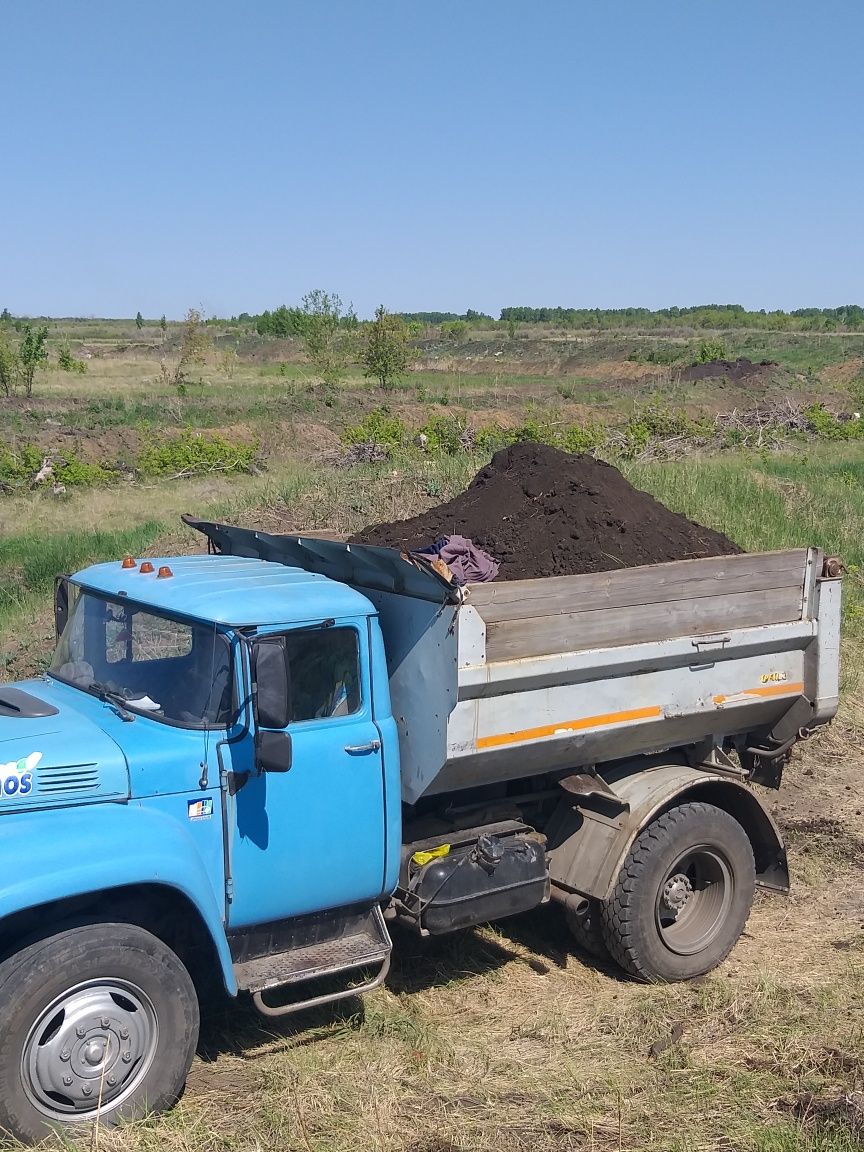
x=323, y=673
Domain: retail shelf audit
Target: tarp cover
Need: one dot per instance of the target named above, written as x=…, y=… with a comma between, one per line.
x=358, y=565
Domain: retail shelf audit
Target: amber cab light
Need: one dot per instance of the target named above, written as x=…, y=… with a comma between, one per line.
x=164, y=572
x=127, y=562
x=146, y=567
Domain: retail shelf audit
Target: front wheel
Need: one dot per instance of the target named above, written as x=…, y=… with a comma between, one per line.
x=682, y=896
x=96, y=1023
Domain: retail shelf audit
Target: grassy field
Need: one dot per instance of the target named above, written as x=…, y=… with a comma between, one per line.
x=504, y=1038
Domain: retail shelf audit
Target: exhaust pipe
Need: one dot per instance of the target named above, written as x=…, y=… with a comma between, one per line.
x=572, y=901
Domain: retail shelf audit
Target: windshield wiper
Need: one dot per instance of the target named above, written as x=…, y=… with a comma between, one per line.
x=110, y=696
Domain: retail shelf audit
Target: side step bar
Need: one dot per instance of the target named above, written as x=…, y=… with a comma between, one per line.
x=366, y=944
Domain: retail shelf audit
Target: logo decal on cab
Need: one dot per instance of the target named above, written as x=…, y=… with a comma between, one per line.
x=16, y=777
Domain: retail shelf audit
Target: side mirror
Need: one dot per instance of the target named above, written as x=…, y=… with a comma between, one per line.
x=272, y=689
x=61, y=604
x=272, y=751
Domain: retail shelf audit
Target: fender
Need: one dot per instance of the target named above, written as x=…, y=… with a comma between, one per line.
x=69, y=852
x=589, y=842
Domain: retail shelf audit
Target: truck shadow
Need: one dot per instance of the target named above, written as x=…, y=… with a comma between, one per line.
x=539, y=940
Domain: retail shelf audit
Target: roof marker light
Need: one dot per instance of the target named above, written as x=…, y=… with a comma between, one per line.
x=128, y=562
x=164, y=572
x=146, y=567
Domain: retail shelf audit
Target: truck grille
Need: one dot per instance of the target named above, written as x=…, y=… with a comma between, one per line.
x=67, y=778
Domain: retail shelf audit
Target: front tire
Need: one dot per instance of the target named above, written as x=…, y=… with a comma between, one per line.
x=98, y=1022
x=682, y=896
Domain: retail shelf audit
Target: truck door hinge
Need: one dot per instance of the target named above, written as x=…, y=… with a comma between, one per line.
x=229, y=889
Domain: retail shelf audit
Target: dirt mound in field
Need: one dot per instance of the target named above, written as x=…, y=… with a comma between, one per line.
x=740, y=369
x=541, y=512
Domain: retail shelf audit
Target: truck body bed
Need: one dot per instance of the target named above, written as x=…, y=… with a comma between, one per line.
x=506, y=680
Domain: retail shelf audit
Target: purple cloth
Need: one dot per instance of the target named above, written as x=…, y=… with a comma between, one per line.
x=468, y=563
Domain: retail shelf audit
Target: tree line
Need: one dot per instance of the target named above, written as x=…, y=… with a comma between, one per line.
x=286, y=321
x=849, y=317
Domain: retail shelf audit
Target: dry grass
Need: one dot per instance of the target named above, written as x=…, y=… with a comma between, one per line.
x=504, y=1039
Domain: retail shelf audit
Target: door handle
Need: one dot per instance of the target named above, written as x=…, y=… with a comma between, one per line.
x=360, y=749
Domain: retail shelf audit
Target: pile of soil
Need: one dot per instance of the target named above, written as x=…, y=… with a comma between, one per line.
x=740, y=369
x=541, y=512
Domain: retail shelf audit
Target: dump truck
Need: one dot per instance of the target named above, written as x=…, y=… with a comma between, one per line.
x=245, y=769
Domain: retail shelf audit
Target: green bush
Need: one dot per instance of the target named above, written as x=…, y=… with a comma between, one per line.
x=823, y=423
x=654, y=421
x=19, y=468
x=379, y=426
x=68, y=362
x=445, y=434
x=711, y=350
x=492, y=438
x=455, y=330
x=75, y=472
x=538, y=432
x=192, y=454
x=584, y=437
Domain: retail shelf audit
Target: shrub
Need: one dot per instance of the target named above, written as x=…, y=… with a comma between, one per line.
x=492, y=438
x=825, y=424
x=21, y=465
x=584, y=438
x=191, y=454
x=448, y=434
x=75, y=472
x=654, y=422
x=18, y=365
x=537, y=432
x=379, y=426
x=19, y=468
x=711, y=350
x=68, y=362
x=454, y=330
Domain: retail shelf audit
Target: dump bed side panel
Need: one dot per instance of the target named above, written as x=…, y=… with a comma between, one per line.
x=716, y=647
x=692, y=597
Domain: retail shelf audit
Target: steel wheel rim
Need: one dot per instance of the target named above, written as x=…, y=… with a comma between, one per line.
x=89, y=1049
x=694, y=899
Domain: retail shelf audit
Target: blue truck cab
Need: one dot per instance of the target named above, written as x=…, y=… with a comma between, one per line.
x=241, y=767
x=210, y=759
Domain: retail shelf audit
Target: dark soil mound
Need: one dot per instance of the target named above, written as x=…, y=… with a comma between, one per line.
x=740, y=369
x=541, y=512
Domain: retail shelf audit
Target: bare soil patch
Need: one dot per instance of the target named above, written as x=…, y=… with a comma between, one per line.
x=737, y=370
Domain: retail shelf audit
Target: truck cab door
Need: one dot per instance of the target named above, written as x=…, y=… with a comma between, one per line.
x=307, y=827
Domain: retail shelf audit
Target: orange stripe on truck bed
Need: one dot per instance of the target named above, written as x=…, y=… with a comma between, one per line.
x=761, y=693
x=569, y=726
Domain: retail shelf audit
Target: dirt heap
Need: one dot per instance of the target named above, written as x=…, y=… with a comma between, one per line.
x=737, y=370
x=541, y=512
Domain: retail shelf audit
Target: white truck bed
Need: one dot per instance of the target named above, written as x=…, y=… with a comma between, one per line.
x=578, y=670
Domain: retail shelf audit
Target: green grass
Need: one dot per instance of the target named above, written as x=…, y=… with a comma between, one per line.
x=29, y=562
x=766, y=502
x=797, y=350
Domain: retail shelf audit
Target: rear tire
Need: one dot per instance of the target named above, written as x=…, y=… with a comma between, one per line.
x=98, y=1022
x=683, y=895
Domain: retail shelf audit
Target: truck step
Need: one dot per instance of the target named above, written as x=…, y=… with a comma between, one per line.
x=365, y=944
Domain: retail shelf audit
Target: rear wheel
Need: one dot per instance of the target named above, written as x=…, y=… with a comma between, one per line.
x=96, y=1023
x=683, y=895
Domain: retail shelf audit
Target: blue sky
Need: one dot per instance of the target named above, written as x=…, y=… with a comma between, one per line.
x=430, y=155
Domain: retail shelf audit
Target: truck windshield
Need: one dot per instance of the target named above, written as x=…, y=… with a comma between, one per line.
x=173, y=670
